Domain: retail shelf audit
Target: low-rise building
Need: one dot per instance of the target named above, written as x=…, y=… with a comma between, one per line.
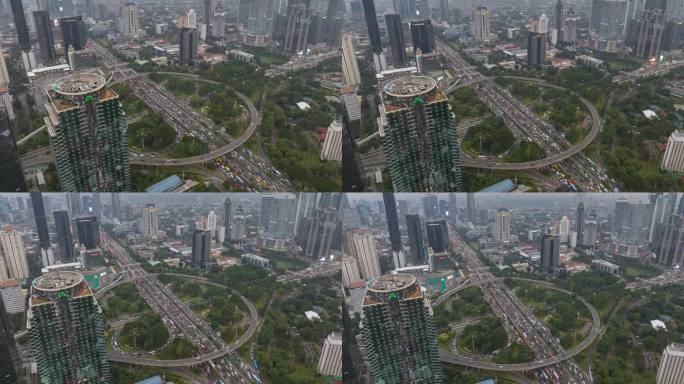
x=606, y=266
x=252, y=259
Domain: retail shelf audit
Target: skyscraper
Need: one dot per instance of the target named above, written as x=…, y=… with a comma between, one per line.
x=350, y=66
x=570, y=30
x=297, y=30
x=45, y=39
x=41, y=220
x=431, y=206
x=392, y=220
x=7, y=345
x=89, y=135
x=150, y=221
x=88, y=230
x=201, y=247
x=14, y=253
x=579, y=224
x=437, y=235
x=66, y=329
x=423, y=36
x=207, y=17
x=444, y=11
x=671, y=370
x=238, y=225
x=559, y=20
x=11, y=173
x=320, y=232
x=398, y=332
x=420, y=140
x=64, y=239
x=651, y=29
x=480, y=28
x=452, y=212
x=608, y=24
x=372, y=24
x=116, y=205
x=396, y=38
x=366, y=255
x=227, y=216
x=128, y=22
x=502, y=226
x=20, y=24
x=332, y=145
x=73, y=33
x=550, y=252
x=189, y=40
x=673, y=159
x=418, y=255
x=470, y=207
x=330, y=362
x=536, y=50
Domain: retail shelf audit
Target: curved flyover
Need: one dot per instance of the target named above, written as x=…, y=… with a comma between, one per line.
x=452, y=358
x=573, y=150
x=253, y=326
x=254, y=121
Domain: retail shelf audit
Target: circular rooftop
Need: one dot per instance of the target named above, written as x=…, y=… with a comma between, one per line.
x=57, y=281
x=410, y=86
x=390, y=283
x=79, y=84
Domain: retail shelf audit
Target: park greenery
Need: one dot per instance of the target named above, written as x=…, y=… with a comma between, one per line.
x=223, y=310
x=514, y=354
x=281, y=262
x=178, y=348
x=467, y=105
x=468, y=303
x=124, y=300
x=526, y=151
x=127, y=374
x=151, y=133
x=147, y=333
x=255, y=283
x=286, y=347
x=131, y=103
x=188, y=146
x=490, y=137
x=483, y=338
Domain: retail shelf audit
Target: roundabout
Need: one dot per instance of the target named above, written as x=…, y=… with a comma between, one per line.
x=459, y=359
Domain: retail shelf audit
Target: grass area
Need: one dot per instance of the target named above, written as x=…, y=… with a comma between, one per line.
x=526, y=151
x=514, y=354
x=475, y=179
x=455, y=374
x=281, y=262
x=151, y=133
x=221, y=308
x=188, y=146
x=491, y=137
x=124, y=300
x=468, y=303
x=466, y=105
x=147, y=333
x=131, y=103
x=641, y=271
x=483, y=338
x=127, y=374
x=601, y=290
x=179, y=348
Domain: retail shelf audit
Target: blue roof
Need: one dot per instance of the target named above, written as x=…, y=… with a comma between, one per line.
x=166, y=185
x=502, y=186
x=488, y=381
x=152, y=380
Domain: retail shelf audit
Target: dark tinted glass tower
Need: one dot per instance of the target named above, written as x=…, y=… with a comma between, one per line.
x=45, y=39
x=536, y=50
x=88, y=232
x=20, y=24
x=11, y=174
x=189, y=40
x=437, y=235
x=64, y=239
x=41, y=219
x=415, y=240
x=73, y=33
x=396, y=38
x=372, y=23
x=423, y=36
x=201, y=245
x=227, y=216
x=550, y=252
x=579, y=224
x=392, y=220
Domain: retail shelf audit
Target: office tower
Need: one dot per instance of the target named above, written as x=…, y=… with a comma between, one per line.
x=201, y=247
x=88, y=230
x=189, y=40
x=470, y=207
x=330, y=362
x=665, y=205
x=227, y=217
x=579, y=224
x=437, y=235
x=632, y=222
x=211, y=222
x=396, y=38
x=66, y=329
x=73, y=203
x=671, y=370
x=570, y=30
x=41, y=220
x=350, y=66
x=191, y=19
x=564, y=229
x=12, y=298
x=372, y=24
x=332, y=145
x=90, y=8
x=20, y=24
x=550, y=252
x=536, y=50
x=559, y=20
x=14, y=254
x=297, y=30
x=88, y=134
x=420, y=140
x=238, y=225
x=431, y=206
x=128, y=22
x=116, y=205
x=64, y=239
x=392, y=220
x=320, y=231
x=350, y=271
x=11, y=173
x=73, y=33
x=480, y=28
x=452, y=209
x=4, y=75
x=366, y=255
x=502, y=226
x=398, y=332
x=670, y=250
x=608, y=24
x=45, y=39
x=444, y=11
x=150, y=221
x=673, y=159
x=207, y=17
x=651, y=29
x=418, y=255
x=423, y=36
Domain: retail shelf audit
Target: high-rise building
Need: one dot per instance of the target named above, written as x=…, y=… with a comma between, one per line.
x=559, y=20
x=88, y=134
x=470, y=208
x=570, y=30
x=423, y=36
x=14, y=254
x=398, y=332
x=372, y=24
x=320, y=231
x=332, y=145
x=431, y=207
x=350, y=66
x=651, y=30
x=444, y=11
x=564, y=229
x=419, y=139
x=579, y=224
x=88, y=230
x=673, y=159
x=201, y=247
x=390, y=205
x=128, y=23
x=20, y=24
x=150, y=221
x=669, y=244
x=536, y=50
x=227, y=216
x=238, y=225
x=395, y=33
x=452, y=209
x=116, y=205
x=608, y=24
x=550, y=252
x=350, y=271
x=480, y=28
x=64, y=239
x=41, y=220
x=330, y=362
x=418, y=255
x=4, y=76
x=73, y=33
x=66, y=330
x=45, y=39
x=366, y=255
x=671, y=370
x=502, y=226
x=189, y=41
x=207, y=17
x=212, y=222
x=191, y=19
x=8, y=353
x=297, y=29
x=437, y=235
x=11, y=173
